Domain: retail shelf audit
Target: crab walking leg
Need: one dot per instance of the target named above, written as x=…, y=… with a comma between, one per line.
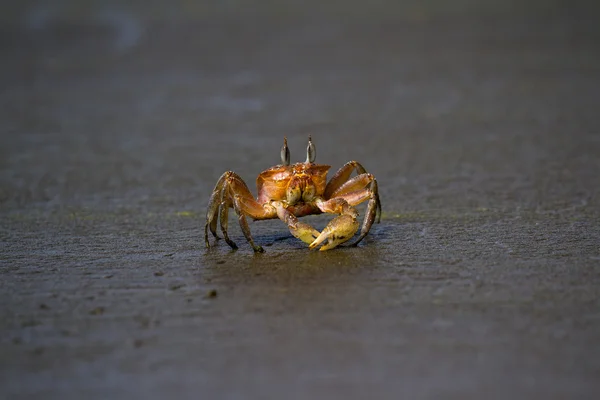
x=341, y=228
x=299, y=230
x=240, y=198
x=224, y=219
x=356, y=183
x=246, y=205
x=341, y=176
x=373, y=207
x=231, y=191
x=212, y=211
x=340, y=184
x=248, y=235
x=351, y=189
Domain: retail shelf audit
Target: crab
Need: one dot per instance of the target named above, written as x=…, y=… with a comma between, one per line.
x=288, y=192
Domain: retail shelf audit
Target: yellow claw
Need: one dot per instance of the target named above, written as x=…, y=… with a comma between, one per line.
x=338, y=231
x=304, y=232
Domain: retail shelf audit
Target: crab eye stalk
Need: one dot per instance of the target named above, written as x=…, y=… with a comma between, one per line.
x=285, y=153
x=311, y=151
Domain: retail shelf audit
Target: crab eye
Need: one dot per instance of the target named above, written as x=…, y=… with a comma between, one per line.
x=311, y=151
x=285, y=153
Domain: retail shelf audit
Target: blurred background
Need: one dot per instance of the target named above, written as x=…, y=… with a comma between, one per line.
x=167, y=97
x=478, y=118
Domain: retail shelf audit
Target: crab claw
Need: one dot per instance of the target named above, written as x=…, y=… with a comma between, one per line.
x=338, y=231
x=304, y=232
x=300, y=230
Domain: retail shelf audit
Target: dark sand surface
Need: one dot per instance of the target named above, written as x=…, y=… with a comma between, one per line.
x=480, y=122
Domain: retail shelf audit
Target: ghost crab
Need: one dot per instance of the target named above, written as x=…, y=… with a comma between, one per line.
x=290, y=191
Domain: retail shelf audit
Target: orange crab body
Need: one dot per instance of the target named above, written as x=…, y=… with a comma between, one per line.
x=297, y=183
x=290, y=191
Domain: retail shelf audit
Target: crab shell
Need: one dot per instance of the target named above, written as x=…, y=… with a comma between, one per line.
x=296, y=183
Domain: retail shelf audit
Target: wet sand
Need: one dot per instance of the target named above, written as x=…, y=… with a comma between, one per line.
x=481, y=126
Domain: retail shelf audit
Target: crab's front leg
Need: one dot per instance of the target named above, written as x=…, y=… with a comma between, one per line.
x=300, y=230
x=340, y=229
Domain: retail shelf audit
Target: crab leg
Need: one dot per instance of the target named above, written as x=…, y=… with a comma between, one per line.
x=341, y=184
x=246, y=230
x=354, y=192
x=231, y=191
x=224, y=219
x=300, y=230
x=244, y=204
x=341, y=228
x=216, y=199
x=341, y=176
x=356, y=183
x=373, y=207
